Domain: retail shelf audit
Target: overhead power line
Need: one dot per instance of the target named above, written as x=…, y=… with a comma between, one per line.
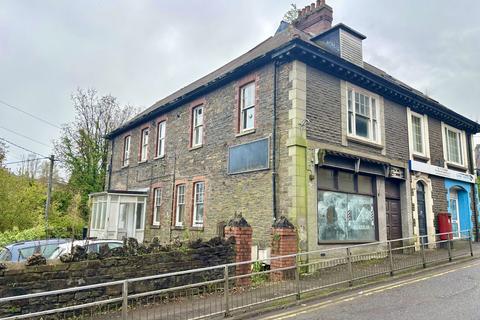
x=22, y=161
x=23, y=148
x=24, y=136
x=30, y=114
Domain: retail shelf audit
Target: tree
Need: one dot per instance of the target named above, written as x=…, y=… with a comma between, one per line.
x=82, y=148
x=3, y=153
x=291, y=14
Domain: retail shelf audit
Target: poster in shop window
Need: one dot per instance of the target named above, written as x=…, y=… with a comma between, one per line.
x=345, y=217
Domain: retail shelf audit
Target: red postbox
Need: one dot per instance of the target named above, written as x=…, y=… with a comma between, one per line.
x=445, y=225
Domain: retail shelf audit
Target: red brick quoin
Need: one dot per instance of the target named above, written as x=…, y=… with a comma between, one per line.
x=241, y=231
x=284, y=243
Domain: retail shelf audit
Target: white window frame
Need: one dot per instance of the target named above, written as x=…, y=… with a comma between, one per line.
x=196, y=202
x=425, y=134
x=462, y=145
x=244, y=108
x=161, y=134
x=178, y=203
x=374, y=115
x=197, y=126
x=157, y=202
x=144, y=137
x=126, y=150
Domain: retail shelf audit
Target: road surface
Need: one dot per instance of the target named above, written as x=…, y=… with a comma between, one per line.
x=447, y=293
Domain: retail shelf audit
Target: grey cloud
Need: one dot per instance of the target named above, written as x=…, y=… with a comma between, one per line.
x=140, y=51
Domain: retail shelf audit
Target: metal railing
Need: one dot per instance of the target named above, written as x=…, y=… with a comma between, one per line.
x=220, y=290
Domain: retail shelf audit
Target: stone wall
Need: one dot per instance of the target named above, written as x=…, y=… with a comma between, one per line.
x=25, y=280
x=248, y=193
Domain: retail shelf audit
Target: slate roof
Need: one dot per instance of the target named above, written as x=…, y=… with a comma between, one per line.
x=262, y=50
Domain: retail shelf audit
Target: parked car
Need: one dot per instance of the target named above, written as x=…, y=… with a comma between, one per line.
x=21, y=251
x=90, y=246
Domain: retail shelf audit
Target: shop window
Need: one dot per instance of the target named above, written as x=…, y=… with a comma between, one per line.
x=346, y=212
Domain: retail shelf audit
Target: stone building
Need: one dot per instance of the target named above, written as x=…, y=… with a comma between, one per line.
x=299, y=126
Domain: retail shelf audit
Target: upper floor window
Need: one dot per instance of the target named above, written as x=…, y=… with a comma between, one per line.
x=454, y=145
x=418, y=134
x=197, y=126
x=161, y=131
x=198, y=204
x=144, y=145
x=126, y=151
x=363, y=115
x=180, y=205
x=157, y=202
x=247, y=107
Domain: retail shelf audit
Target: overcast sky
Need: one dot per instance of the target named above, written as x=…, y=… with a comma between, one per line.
x=140, y=51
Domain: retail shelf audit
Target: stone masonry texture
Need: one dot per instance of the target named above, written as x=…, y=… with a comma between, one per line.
x=226, y=195
x=27, y=280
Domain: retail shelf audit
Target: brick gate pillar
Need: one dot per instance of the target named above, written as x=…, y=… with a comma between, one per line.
x=241, y=231
x=284, y=242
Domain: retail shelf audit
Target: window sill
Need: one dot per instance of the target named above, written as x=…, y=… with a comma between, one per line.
x=195, y=147
x=195, y=228
x=159, y=157
x=456, y=166
x=420, y=157
x=155, y=226
x=123, y=167
x=365, y=142
x=246, y=132
x=177, y=228
x=144, y=161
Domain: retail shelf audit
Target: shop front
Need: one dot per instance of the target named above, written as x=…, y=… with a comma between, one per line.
x=359, y=200
x=459, y=197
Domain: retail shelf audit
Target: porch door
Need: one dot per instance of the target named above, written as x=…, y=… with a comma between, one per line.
x=126, y=225
x=422, y=209
x=394, y=212
x=455, y=213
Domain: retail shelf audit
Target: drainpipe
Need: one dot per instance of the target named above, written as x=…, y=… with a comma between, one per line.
x=110, y=167
x=274, y=143
x=471, y=167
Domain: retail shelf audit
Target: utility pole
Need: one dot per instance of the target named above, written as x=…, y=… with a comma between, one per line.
x=49, y=193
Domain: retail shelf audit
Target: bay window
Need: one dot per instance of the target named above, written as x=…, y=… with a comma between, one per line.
x=161, y=130
x=247, y=107
x=198, y=204
x=197, y=126
x=144, y=145
x=346, y=206
x=363, y=115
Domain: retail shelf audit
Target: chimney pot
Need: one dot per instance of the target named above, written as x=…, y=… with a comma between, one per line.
x=312, y=7
x=319, y=2
x=307, y=9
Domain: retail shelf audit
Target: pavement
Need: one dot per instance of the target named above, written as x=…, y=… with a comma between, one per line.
x=449, y=292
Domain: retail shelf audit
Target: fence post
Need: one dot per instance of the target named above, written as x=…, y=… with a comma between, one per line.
x=422, y=249
x=470, y=242
x=125, y=300
x=390, y=257
x=350, y=269
x=226, y=291
x=449, y=246
x=297, y=278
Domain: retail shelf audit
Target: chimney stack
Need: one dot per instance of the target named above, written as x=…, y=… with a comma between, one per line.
x=314, y=18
